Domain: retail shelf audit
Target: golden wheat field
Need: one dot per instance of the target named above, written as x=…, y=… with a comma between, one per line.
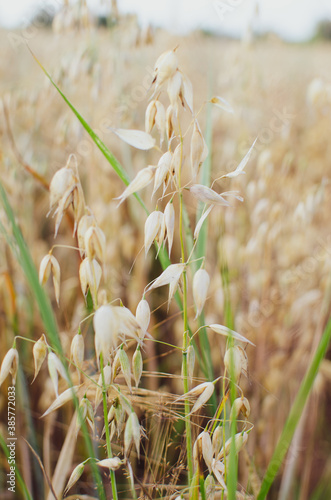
x=165, y=265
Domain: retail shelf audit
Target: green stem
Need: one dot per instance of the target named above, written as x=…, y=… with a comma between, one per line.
x=185, y=335
x=105, y=417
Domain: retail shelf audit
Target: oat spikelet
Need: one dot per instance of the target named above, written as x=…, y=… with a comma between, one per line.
x=9, y=365
x=141, y=180
x=39, y=354
x=201, y=282
x=75, y=475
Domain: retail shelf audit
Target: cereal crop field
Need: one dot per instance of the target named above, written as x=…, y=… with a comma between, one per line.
x=165, y=273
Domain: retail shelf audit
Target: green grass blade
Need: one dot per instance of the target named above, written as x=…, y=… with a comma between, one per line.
x=18, y=476
x=22, y=253
x=295, y=414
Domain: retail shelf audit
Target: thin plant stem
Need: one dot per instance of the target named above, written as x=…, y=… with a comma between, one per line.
x=105, y=417
x=185, y=333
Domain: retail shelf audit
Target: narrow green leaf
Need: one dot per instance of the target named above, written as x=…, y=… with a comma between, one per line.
x=295, y=414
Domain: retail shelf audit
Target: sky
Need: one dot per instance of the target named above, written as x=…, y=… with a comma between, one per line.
x=294, y=20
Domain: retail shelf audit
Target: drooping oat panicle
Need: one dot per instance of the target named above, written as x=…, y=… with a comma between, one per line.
x=222, y=103
x=77, y=350
x=227, y=332
x=9, y=365
x=137, y=365
x=174, y=86
x=199, y=150
x=50, y=264
x=111, y=463
x=186, y=92
x=240, y=405
x=62, y=399
x=217, y=439
x=106, y=328
x=136, y=138
x=125, y=366
x=162, y=170
x=240, y=439
x=132, y=434
x=201, y=221
x=75, y=475
x=201, y=281
x=205, y=395
x=90, y=274
x=169, y=220
x=204, y=444
x=84, y=224
x=160, y=120
x=107, y=373
x=39, y=354
x=240, y=169
x=141, y=180
x=207, y=195
x=165, y=67
x=143, y=315
x=95, y=243
x=150, y=116
x=233, y=362
x=153, y=226
x=171, y=277
x=55, y=368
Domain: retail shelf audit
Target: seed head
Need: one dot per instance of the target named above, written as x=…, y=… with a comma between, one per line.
x=9, y=365
x=111, y=463
x=165, y=67
x=201, y=282
x=174, y=86
x=75, y=475
x=199, y=150
x=132, y=433
x=77, y=350
x=39, y=354
x=90, y=273
x=153, y=226
x=106, y=329
x=169, y=220
x=85, y=223
x=240, y=405
x=143, y=315
x=50, y=264
x=137, y=365
x=95, y=243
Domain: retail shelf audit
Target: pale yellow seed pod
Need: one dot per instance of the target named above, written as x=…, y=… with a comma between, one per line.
x=62, y=181
x=111, y=463
x=77, y=350
x=107, y=373
x=50, y=264
x=84, y=224
x=169, y=220
x=106, y=327
x=90, y=273
x=152, y=227
x=95, y=243
x=150, y=116
x=177, y=161
x=53, y=371
x=137, y=365
x=9, y=365
x=203, y=448
x=217, y=439
x=199, y=150
x=162, y=170
x=186, y=92
x=240, y=440
x=125, y=366
x=132, y=433
x=174, y=86
x=39, y=354
x=143, y=315
x=201, y=282
x=240, y=405
x=160, y=120
x=75, y=475
x=165, y=66
x=233, y=363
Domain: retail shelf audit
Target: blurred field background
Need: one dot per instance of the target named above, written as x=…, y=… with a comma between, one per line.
x=269, y=257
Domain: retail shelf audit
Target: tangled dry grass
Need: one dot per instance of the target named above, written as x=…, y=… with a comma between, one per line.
x=268, y=257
